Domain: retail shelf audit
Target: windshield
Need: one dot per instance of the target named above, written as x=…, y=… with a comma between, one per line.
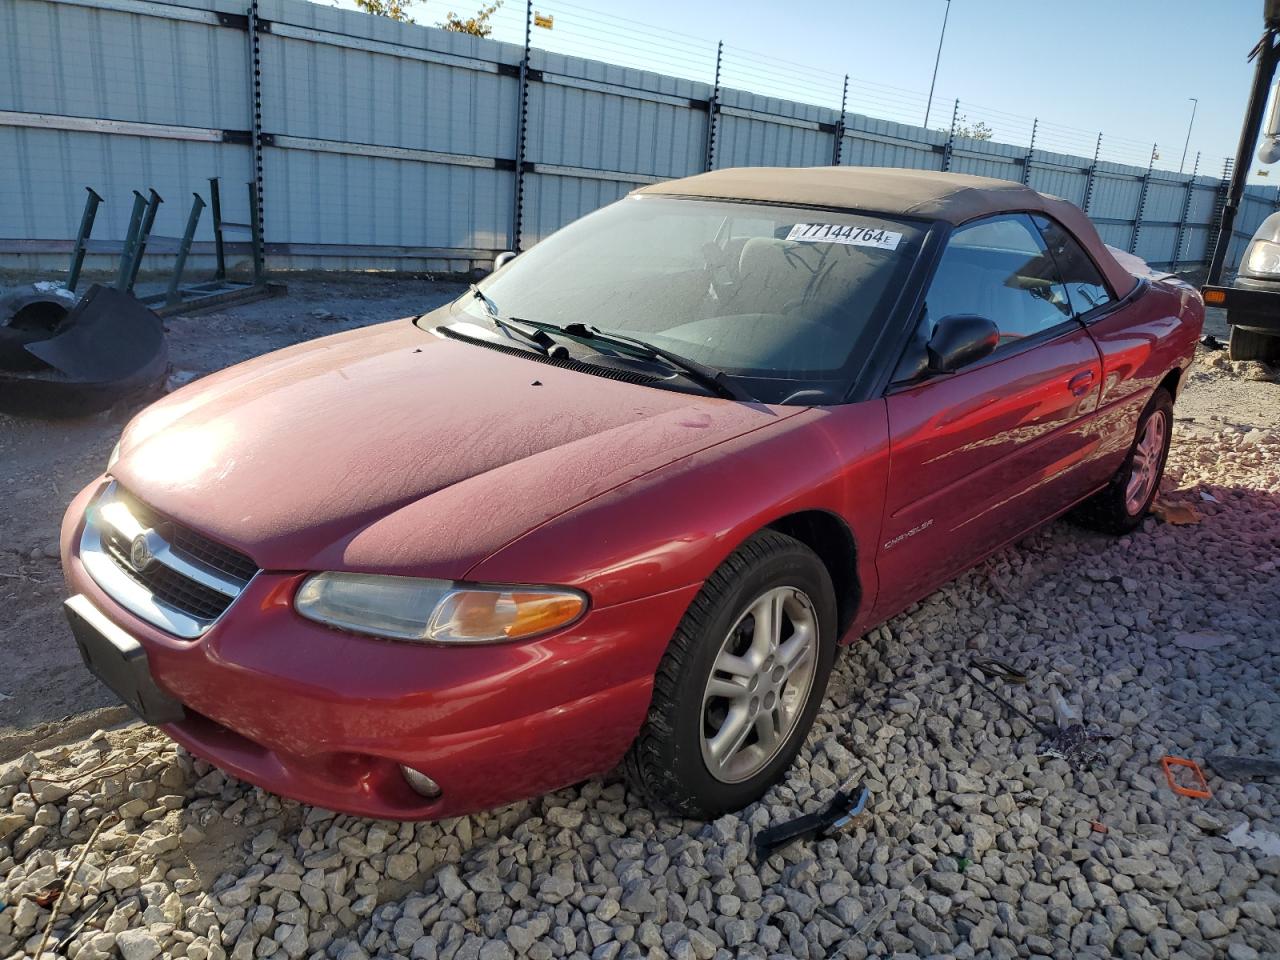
x=787, y=298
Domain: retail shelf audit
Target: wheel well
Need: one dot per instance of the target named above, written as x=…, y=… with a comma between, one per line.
x=830, y=538
x=1171, y=381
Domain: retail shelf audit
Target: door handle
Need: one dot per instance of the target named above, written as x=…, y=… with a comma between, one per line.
x=1080, y=383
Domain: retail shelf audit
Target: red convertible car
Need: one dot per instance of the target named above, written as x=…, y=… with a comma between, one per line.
x=621, y=501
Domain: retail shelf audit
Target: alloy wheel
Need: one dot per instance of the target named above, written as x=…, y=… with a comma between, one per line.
x=759, y=684
x=1144, y=470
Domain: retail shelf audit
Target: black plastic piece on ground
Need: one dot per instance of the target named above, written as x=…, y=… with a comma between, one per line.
x=841, y=807
x=1243, y=768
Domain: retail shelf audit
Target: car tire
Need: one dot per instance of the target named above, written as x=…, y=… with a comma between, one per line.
x=1119, y=508
x=676, y=761
x=1245, y=344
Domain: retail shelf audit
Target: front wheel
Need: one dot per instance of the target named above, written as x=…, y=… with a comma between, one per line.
x=1120, y=507
x=741, y=681
x=1245, y=344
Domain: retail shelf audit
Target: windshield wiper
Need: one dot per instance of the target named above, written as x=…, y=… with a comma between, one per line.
x=709, y=377
x=512, y=326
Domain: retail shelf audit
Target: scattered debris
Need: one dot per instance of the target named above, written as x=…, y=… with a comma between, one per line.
x=1200, y=792
x=70, y=880
x=99, y=904
x=837, y=815
x=49, y=894
x=1243, y=768
x=1208, y=497
x=1069, y=741
x=999, y=670
x=1072, y=744
x=1178, y=514
x=1098, y=826
x=1210, y=342
x=1244, y=838
x=108, y=348
x=971, y=674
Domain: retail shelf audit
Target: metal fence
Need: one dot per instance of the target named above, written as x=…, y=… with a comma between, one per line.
x=389, y=145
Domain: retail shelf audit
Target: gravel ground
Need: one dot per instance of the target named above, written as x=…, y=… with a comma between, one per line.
x=974, y=844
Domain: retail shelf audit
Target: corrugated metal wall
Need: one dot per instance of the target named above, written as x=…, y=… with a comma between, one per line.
x=395, y=145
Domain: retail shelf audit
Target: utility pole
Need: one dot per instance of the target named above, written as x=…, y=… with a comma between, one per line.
x=936, y=60
x=1194, y=103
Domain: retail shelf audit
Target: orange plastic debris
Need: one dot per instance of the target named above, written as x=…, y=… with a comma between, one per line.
x=1178, y=514
x=1202, y=793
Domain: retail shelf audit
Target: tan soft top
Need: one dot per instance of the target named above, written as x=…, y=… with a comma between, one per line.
x=953, y=197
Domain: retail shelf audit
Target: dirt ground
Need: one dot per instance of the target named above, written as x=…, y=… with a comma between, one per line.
x=47, y=697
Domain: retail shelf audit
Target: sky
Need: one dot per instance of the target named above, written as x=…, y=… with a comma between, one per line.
x=1126, y=68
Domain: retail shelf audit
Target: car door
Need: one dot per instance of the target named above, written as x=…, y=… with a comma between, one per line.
x=1128, y=337
x=981, y=455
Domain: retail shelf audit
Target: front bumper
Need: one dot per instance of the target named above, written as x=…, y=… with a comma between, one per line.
x=1251, y=304
x=328, y=717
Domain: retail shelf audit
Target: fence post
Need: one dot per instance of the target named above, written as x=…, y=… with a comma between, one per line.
x=1186, y=212
x=255, y=118
x=713, y=110
x=219, y=250
x=184, y=249
x=130, y=240
x=140, y=242
x=1142, y=201
x=839, y=144
x=82, y=237
x=1026, y=163
x=951, y=138
x=1220, y=211
x=522, y=124
x=255, y=227
x=1093, y=170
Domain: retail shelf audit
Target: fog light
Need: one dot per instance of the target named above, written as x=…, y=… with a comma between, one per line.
x=420, y=782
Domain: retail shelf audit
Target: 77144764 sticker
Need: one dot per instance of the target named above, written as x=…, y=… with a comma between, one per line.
x=847, y=234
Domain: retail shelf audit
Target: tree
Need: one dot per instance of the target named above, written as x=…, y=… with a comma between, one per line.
x=393, y=9
x=978, y=131
x=477, y=26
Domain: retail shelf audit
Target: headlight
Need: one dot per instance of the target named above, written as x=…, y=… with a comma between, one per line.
x=113, y=456
x=1263, y=258
x=435, y=611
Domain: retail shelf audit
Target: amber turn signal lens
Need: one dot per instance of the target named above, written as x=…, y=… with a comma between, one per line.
x=477, y=615
x=540, y=614
x=1215, y=296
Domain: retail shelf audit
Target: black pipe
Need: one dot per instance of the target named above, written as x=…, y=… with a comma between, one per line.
x=1266, y=55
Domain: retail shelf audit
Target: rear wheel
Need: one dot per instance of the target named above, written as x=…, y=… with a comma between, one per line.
x=1245, y=344
x=740, y=683
x=1121, y=506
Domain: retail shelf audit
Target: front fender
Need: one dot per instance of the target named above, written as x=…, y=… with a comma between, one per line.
x=673, y=526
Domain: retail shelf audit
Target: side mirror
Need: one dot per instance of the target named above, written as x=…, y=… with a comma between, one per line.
x=961, y=339
x=502, y=259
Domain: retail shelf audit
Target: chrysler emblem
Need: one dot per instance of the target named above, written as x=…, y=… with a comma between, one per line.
x=140, y=556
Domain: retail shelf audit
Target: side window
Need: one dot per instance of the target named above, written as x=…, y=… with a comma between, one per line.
x=1000, y=269
x=1085, y=285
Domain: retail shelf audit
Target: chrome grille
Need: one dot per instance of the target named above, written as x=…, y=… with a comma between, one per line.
x=167, y=574
x=195, y=546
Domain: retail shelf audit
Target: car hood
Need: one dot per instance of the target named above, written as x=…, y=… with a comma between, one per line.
x=392, y=449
